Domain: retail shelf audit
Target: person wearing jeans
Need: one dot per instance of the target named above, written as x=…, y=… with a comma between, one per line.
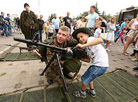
x=4, y=26
x=56, y=22
x=4, y=30
x=9, y=24
x=99, y=60
x=41, y=27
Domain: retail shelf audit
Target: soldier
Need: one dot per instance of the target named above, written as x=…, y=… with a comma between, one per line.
x=60, y=40
x=28, y=23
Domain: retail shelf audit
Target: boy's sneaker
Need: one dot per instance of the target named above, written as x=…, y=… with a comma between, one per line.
x=80, y=94
x=92, y=92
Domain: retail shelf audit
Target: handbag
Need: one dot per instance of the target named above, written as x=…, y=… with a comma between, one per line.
x=103, y=36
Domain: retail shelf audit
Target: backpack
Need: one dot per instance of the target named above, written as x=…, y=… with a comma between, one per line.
x=121, y=33
x=1, y=20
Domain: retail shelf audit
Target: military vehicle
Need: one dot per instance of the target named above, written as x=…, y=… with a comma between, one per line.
x=128, y=13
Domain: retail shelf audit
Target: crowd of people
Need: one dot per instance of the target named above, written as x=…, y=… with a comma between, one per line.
x=115, y=32
x=7, y=26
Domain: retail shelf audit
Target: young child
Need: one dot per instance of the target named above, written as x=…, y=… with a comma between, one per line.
x=122, y=35
x=46, y=29
x=51, y=29
x=13, y=27
x=98, y=30
x=99, y=60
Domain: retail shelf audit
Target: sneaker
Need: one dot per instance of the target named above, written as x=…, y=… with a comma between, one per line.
x=133, y=54
x=80, y=94
x=92, y=92
x=107, y=49
x=135, y=69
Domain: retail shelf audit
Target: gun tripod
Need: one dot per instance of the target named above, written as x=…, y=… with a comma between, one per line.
x=56, y=56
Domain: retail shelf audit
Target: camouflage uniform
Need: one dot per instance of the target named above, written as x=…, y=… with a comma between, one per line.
x=46, y=53
x=29, y=24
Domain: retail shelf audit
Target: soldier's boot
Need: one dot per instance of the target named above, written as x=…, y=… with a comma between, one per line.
x=50, y=81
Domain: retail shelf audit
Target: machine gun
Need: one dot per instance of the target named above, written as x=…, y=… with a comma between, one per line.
x=56, y=50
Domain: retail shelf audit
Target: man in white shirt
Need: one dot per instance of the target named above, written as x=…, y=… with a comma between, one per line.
x=92, y=18
x=56, y=22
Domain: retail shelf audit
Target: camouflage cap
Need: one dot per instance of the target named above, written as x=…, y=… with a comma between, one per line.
x=81, y=30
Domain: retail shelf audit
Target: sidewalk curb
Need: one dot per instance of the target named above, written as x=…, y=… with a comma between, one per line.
x=7, y=50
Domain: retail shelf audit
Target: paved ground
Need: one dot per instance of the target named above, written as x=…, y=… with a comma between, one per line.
x=21, y=74
x=8, y=40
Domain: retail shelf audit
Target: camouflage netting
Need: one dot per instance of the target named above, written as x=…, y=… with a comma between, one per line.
x=20, y=57
x=112, y=87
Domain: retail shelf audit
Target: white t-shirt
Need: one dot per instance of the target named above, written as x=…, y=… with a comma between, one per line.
x=97, y=32
x=51, y=28
x=56, y=23
x=98, y=54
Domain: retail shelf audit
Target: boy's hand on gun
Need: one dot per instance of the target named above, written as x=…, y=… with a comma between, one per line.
x=80, y=46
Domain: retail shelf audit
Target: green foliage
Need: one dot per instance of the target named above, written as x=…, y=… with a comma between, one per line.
x=103, y=13
x=51, y=17
x=108, y=16
x=97, y=10
x=84, y=14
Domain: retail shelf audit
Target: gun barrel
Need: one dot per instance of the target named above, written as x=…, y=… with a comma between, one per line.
x=40, y=44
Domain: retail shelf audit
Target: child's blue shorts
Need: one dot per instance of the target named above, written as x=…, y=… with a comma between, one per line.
x=91, y=73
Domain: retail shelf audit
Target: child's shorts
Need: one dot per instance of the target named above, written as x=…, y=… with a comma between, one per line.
x=91, y=73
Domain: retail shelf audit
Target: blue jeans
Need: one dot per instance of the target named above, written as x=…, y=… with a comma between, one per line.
x=91, y=28
x=40, y=35
x=10, y=29
x=91, y=73
x=5, y=30
x=1, y=27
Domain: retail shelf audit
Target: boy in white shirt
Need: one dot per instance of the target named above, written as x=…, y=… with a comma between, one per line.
x=98, y=30
x=51, y=29
x=99, y=60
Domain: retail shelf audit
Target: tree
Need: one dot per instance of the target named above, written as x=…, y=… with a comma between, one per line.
x=108, y=16
x=96, y=9
x=103, y=13
x=84, y=14
x=51, y=17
